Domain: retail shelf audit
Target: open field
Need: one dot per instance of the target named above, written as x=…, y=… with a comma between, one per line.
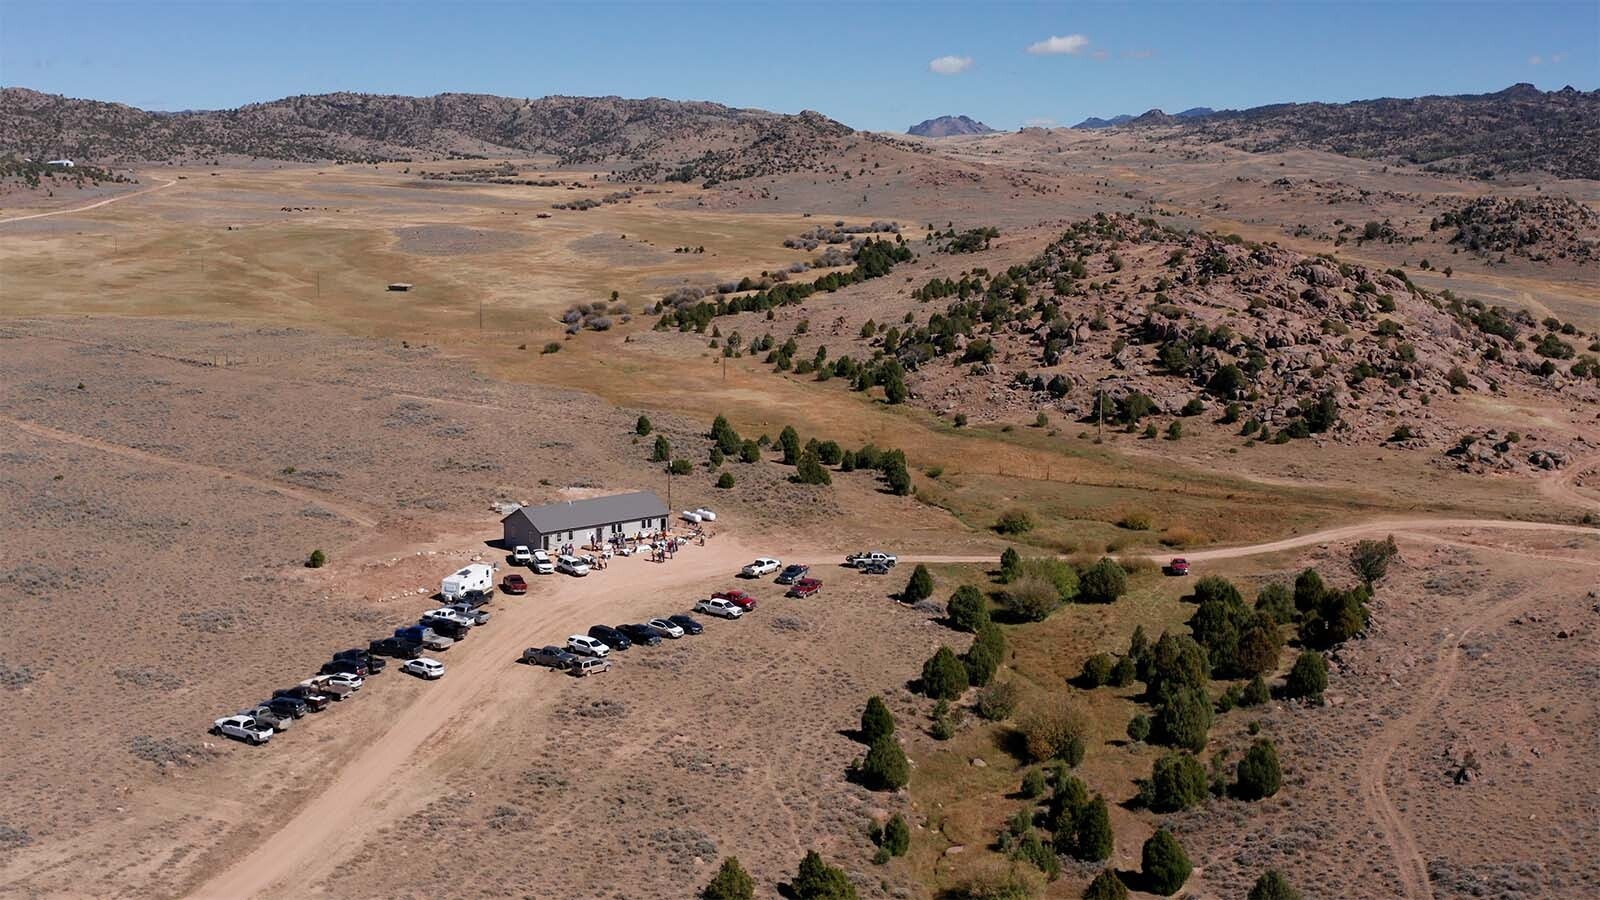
x=203, y=382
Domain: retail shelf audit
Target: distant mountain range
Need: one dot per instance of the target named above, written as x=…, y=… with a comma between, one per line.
x=947, y=126
x=1095, y=122
x=646, y=139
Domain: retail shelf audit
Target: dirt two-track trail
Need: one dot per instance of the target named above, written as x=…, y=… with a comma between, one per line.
x=371, y=786
x=86, y=207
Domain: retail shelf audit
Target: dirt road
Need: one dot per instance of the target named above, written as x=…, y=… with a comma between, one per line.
x=370, y=787
x=85, y=208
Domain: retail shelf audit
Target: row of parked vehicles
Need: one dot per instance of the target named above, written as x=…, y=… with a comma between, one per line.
x=436, y=630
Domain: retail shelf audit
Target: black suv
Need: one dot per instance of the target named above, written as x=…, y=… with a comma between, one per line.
x=689, y=624
x=641, y=634
x=292, y=707
x=611, y=637
x=374, y=664
x=396, y=648
x=314, y=701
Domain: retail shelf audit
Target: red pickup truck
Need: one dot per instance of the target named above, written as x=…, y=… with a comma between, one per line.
x=737, y=598
x=805, y=587
x=1178, y=566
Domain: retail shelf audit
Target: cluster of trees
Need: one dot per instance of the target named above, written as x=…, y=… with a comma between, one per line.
x=810, y=459
x=873, y=259
x=815, y=880
x=969, y=241
x=1035, y=587
x=885, y=767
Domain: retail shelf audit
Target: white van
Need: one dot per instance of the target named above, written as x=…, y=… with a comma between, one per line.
x=476, y=577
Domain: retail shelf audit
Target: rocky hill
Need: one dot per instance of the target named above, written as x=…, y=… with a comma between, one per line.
x=948, y=126
x=1519, y=129
x=691, y=139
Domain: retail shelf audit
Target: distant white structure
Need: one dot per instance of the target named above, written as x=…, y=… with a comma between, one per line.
x=63, y=163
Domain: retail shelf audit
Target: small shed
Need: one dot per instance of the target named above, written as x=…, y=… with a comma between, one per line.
x=598, y=520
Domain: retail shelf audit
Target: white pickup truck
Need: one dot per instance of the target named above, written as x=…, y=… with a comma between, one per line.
x=871, y=558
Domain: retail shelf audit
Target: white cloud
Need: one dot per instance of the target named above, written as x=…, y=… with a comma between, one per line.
x=1557, y=59
x=1101, y=55
x=950, y=65
x=1535, y=60
x=1040, y=123
x=1071, y=45
x=1138, y=54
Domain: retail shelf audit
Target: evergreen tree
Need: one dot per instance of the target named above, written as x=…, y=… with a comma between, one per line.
x=1177, y=781
x=1106, y=886
x=1103, y=582
x=817, y=880
x=897, y=836
x=1183, y=718
x=983, y=658
x=920, y=587
x=1309, y=677
x=967, y=609
x=810, y=471
x=943, y=675
x=732, y=882
x=642, y=427
x=663, y=449
x=750, y=452
x=1273, y=886
x=898, y=477
x=886, y=767
x=876, y=721
x=1258, y=772
x=1010, y=564
x=789, y=442
x=1092, y=840
x=1255, y=693
x=1165, y=866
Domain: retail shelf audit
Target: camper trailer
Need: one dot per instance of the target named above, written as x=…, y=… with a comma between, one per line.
x=476, y=577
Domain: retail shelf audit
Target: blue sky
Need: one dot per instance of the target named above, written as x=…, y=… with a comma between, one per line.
x=868, y=64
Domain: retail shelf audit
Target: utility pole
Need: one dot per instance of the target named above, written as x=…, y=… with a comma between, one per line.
x=480, y=315
x=669, y=490
x=1100, y=412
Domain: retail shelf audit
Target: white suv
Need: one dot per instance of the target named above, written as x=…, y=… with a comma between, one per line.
x=584, y=645
x=571, y=565
x=717, y=606
x=521, y=555
x=244, y=728
x=423, y=667
x=667, y=627
x=541, y=564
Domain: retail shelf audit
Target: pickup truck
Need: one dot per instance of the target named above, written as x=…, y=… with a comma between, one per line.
x=242, y=728
x=322, y=685
x=478, y=616
x=446, y=614
x=862, y=560
x=395, y=647
x=552, y=656
x=286, y=707
x=427, y=637
x=805, y=587
x=316, y=701
x=269, y=717
x=374, y=664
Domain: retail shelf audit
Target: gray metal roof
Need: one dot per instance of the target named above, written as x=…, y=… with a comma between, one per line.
x=577, y=514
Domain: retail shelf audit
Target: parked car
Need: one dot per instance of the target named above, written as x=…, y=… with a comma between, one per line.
x=875, y=568
x=423, y=667
x=591, y=665
x=640, y=633
x=514, y=584
x=269, y=717
x=541, y=563
x=805, y=587
x=292, y=707
x=322, y=685
x=862, y=560
x=473, y=599
x=316, y=701
x=427, y=637
x=571, y=565
x=552, y=656
x=689, y=624
x=521, y=555
x=446, y=614
x=792, y=573
x=445, y=628
x=242, y=728
x=346, y=666
x=395, y=647
x=1178, y=566
x=375, y=664
x=354, y=682
x=738, y=598
x=611, y=637
x=583, y=645
x=716, y=606
x=666, y=627
x=765, y=565
x=478, y=616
